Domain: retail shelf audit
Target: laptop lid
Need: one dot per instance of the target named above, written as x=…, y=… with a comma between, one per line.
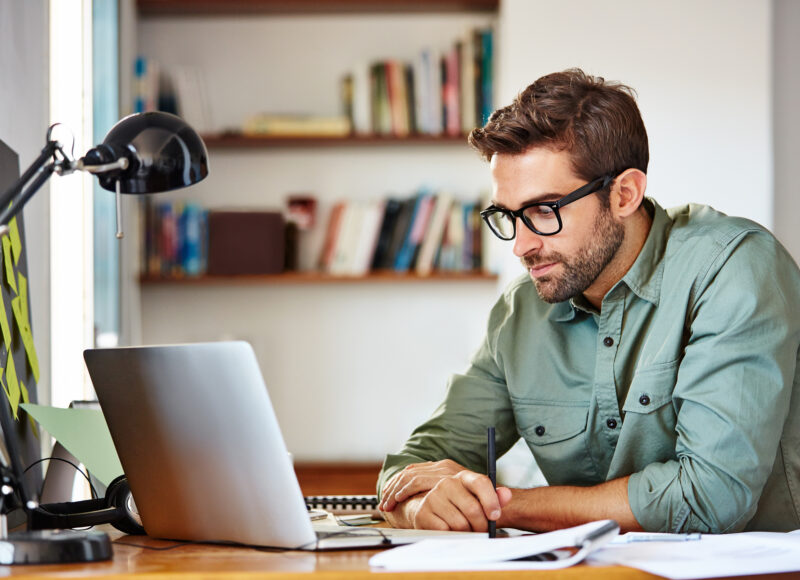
x=200, y=444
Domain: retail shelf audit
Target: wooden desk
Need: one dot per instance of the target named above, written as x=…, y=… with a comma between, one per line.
x=137, y=556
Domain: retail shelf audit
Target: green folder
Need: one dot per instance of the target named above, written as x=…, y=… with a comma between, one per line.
x=84, y=433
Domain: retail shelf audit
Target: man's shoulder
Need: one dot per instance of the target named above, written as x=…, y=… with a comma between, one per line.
x=698, y=226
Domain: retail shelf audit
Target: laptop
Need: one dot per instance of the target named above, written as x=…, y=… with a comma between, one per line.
x=200, y=444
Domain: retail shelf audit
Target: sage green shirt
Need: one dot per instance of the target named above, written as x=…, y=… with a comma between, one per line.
x=687, y=380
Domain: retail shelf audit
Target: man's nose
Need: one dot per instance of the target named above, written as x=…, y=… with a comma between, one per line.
x=526, y=240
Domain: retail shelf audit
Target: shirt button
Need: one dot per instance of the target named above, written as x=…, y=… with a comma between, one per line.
x=539, y=430
x=644, y=400
x=612, y=423
x=608, y=341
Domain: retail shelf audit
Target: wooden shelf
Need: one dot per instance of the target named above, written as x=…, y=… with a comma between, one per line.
x=319, y=278
x=237, y=141
x=235, y=7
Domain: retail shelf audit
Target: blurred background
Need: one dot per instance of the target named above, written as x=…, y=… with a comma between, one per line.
x=332, y=126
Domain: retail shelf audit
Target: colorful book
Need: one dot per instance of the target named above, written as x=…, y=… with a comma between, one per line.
x=407, y=256
x=432, y=240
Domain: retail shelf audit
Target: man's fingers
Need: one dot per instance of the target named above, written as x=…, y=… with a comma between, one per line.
x=504, y=496
x=481, y=487
x=418, y=477
x=415, y=486
x=439, y=507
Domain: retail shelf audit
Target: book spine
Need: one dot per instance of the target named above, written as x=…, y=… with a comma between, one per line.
x=487, y=75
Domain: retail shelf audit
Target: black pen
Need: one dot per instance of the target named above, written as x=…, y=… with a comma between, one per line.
x=491, y=468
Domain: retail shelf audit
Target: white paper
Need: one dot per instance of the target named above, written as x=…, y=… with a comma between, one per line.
x=711, y=556
x=483, y=553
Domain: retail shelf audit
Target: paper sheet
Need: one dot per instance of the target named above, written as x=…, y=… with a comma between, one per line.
x=16, y=242
x=487, y=554
x=710, y=557
x=12, y=385
x=84, y=433
x=27, y=336
x=10, y=274
x=6, y=329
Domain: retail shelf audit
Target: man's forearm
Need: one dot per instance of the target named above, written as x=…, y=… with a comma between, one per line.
x=544, y=509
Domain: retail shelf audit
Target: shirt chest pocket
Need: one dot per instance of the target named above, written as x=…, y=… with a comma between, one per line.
x=649, y=416
x=651, y=389
x=556, y=435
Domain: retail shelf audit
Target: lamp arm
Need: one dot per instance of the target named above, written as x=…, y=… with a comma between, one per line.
x=15, y=197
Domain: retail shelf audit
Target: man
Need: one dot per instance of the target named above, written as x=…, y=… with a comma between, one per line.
x=648, y=358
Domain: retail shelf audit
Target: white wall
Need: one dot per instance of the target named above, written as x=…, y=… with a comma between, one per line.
x=702, y=72
x=351, y=368
x=24, y=113
x=786, y=121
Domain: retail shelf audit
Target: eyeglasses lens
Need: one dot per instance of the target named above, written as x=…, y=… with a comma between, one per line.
x=543, y=218
x=502, y=224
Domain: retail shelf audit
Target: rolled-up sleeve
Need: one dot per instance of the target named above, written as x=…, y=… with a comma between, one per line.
x=732, y=393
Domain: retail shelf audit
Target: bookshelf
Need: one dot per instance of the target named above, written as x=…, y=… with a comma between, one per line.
x=381, y=277
x=238, y=141
x=333, y=349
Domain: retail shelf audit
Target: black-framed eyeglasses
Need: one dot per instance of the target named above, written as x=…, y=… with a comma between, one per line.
x=541, y=217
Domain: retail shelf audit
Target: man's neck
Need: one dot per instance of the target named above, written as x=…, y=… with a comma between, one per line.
x=637, y=229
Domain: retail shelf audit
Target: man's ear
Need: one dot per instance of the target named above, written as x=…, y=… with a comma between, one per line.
x=627, y=192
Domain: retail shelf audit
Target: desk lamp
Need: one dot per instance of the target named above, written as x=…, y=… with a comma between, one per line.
x=143, y=153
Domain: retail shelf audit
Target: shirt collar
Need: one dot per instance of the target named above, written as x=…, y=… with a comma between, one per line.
x=645, y=275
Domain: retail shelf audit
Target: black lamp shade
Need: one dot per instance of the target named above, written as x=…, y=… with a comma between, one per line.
x=164, y=153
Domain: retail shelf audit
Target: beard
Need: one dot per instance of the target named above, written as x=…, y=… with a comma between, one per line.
x=580, y=271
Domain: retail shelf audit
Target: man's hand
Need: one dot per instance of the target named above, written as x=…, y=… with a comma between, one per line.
x=416, y=478
x=443, y=496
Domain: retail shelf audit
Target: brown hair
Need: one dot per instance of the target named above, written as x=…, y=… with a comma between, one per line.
x=596, y=120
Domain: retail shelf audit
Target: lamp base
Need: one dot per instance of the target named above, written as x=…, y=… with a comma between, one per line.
x=54, y=547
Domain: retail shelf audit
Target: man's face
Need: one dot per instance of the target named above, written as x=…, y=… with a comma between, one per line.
x=567, y=263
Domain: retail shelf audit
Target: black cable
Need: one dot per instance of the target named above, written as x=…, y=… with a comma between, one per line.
x=78, y=469
x=155, y=548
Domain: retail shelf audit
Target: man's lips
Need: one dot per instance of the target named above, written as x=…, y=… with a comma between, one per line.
x=541, y=270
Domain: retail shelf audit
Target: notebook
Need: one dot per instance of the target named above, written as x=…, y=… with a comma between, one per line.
x=200, y=444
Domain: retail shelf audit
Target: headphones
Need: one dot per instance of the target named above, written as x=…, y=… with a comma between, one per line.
x=117, y=509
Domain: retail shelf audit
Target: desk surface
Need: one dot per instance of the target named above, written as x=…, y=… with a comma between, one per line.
x=157, y=559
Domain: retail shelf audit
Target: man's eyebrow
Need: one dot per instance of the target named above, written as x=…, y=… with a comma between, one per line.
x=536, y=199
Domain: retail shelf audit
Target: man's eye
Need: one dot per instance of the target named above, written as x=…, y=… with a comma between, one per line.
x=540, y=211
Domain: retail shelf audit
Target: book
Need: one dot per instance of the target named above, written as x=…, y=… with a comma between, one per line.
x=391, y=212
x=329, y=244
x=487, y=75
x=419, y=222
x=379, y=93
x=361, y=99
x=433, y=236
x=450, y=92
x=296, y=125
x=346, y=239
x=467, y=78
x=399, y=233
x=372, y=214
x=398, y=97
